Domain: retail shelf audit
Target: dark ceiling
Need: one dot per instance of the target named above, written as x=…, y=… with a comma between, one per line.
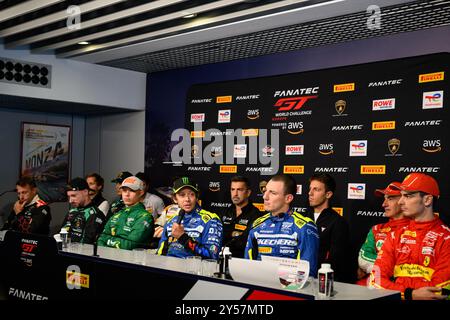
x=151, y=36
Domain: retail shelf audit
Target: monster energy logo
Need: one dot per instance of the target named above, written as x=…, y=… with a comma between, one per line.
x=185, y=180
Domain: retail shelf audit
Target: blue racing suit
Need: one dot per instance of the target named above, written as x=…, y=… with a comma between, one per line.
x=202, y=237
x=291, y=236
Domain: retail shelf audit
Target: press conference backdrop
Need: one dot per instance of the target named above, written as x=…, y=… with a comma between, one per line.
x=366, y=125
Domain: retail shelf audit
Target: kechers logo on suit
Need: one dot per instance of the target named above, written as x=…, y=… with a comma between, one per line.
x=431, y=146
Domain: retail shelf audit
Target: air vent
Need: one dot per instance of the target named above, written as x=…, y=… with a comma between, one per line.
x=25, y=73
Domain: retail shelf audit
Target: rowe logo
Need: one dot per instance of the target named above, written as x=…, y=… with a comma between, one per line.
x=373, y=169
x=292, y=150
x=383, y=104
x=344, y=87
x=431, y=77
x=292, y=103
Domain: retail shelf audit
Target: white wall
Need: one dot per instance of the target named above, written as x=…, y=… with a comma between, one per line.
x=81, y=82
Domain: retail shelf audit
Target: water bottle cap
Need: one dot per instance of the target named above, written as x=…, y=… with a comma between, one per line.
x=226, y=251
x=63, y=230
x=326, y=266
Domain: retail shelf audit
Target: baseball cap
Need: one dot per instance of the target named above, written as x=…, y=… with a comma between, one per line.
x=141, y=175
x=183, y=182
x=121, y=176
x=420, y=182
x=77, y=184
x=391, y=190
x=133, y=182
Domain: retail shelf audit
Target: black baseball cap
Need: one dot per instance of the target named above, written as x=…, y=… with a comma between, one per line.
x=77, y=184
x=183, y=182
x=121, y=176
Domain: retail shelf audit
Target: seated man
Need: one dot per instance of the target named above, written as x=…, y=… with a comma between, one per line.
x=152, y=203
x=84, y=221
x=193, y=231
x=238, y=219
x=280, y=232
x=30, y=214
x=378, y=233
x=118, y=204
x=415, y=259
x=96, y=184
x=133, y=226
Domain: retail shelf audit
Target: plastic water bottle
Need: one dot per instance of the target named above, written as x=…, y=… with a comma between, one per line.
x=224, y=262
x=64, y=237
x=326, y=278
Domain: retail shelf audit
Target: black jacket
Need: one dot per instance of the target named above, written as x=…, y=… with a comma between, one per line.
x=34, y=218
x=334, y=243
x=235, y=229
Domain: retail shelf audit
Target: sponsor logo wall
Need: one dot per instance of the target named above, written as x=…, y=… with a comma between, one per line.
x=366, y=125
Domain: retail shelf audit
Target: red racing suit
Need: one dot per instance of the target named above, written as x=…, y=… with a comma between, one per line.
x=415, y=256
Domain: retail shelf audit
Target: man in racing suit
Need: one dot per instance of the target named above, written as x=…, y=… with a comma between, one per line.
x=133, y=226
x=193, y=231
x=378, y=233
x=84, y=221
x=30, y=214
x=282, y=233
x=415, y=259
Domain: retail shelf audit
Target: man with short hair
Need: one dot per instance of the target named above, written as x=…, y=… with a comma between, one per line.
x=193, y=231
x=415, y=259
x=378, y=233
x=133, y=226
x=281, y=232
x=118, y=204
x=30, y=214
x=238, y=219
x=152, y=203
x=84, y=221
x=333, y=229
x=96, y=184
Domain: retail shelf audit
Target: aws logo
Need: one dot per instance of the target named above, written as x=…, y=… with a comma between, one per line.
x=295, y=127
x=431, y=146
x=253, y=114
x=214, y=186
x=326, y=148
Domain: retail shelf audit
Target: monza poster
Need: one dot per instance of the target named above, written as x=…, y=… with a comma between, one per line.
x=45, y=157
x=367, y=125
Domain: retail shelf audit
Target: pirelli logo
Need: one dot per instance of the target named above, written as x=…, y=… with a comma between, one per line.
x=294, y=169
x=224, y=99
x=259, y=206
x=383, y=125
x=77, y=279
x=228, y=169
x=197, y=134
x=250, y=132
x=339, y=210
x=343, y=87
x=431, y=77
x=240, y=227
x=373, y=169
x=265, y=249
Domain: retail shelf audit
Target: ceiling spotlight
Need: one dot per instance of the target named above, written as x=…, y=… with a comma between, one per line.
x=83, y=43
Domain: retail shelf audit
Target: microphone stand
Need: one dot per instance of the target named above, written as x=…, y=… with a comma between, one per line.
x=7, y=191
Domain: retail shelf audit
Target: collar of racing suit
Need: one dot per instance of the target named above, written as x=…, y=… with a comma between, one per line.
x=35, y=199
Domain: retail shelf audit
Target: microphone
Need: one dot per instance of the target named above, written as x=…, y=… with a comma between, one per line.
x=181, y=216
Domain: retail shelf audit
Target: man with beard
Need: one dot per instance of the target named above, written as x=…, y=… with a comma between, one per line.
x=30, y=214
x=333, y=229
x=238, y=219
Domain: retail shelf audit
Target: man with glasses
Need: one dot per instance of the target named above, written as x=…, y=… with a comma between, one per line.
x=415, y=259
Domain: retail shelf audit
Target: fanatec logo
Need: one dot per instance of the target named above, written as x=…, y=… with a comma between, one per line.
x=370, y=213
x=248, y=97
x=347, y=128
x=385, y=83
x=419, y=169
x=423, y=123
x=331, y=169
x=203, y=100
